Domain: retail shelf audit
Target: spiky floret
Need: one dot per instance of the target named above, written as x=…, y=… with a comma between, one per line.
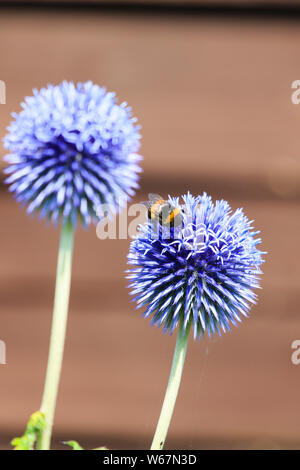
x=72, y=148
x=202, y=273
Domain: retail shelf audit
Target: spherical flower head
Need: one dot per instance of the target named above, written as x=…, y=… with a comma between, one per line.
x=201, y=274
x=72, y=149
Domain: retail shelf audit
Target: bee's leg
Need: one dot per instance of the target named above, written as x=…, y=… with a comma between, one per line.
x=161, y=218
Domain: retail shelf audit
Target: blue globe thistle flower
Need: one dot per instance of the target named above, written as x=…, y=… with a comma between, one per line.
x=72, y=148
x=202, y=273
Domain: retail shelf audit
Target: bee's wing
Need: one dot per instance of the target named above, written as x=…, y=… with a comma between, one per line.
x=154, y=197
x=146, y=204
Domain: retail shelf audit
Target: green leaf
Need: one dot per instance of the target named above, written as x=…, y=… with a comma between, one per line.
x=34, y=427
x=74, y=445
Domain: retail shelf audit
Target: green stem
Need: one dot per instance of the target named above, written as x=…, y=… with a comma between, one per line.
x=172, y=390
x=58, y=332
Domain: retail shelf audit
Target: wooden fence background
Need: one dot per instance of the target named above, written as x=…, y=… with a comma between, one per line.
x=213, y=95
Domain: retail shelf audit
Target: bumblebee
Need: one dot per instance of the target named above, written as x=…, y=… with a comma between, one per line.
x=162, y=211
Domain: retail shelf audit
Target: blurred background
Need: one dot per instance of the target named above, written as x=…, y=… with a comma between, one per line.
x=211, y=86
